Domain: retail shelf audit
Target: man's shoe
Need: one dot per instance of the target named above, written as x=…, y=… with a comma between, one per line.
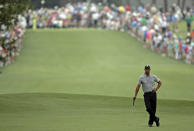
x=157, y=121
x=150, y=123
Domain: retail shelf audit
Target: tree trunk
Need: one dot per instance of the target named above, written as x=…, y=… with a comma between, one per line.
x=153, y=2
x=140, y=3
x=128, y=2
x=183, y=4
x=179, y=2
x=166, y=5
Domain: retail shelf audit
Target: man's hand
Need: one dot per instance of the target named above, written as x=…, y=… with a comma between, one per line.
x=154, y=90
x=136, y=91
x=134, y=98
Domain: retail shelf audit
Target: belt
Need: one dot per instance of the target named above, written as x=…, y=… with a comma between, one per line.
x=151, y=92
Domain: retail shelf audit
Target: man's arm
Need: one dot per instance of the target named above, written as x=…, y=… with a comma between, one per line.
x=159, y=85
x=136, y=91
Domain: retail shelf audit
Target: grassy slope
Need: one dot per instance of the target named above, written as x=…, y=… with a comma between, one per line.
x=91, y=62
x=62, y=112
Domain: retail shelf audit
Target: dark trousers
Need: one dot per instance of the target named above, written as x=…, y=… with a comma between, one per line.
x=150, y=100
x=189, y=27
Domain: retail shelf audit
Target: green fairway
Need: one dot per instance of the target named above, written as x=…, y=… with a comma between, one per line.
x=81, y=80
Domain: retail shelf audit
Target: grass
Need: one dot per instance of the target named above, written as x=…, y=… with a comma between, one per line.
x=81, y=80
x=182, y=29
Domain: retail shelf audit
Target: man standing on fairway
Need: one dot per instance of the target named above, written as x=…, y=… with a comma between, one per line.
x=147, y=81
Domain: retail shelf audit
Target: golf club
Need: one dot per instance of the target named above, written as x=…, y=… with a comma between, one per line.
x=133, y=107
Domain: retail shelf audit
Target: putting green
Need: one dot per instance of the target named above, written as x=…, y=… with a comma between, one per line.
x=81, y=80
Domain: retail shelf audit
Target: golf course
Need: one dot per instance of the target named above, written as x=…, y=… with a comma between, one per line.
x=84, y=80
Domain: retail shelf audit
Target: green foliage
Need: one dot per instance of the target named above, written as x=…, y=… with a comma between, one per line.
x=9, y=11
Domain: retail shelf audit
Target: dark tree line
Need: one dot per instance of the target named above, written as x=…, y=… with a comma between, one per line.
x=9, y=11
x=165, y=5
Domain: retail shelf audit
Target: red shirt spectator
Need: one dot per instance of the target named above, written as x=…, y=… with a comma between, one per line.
x=187, y=49
x=128, y=8
x=192, y=35
x=180, y=46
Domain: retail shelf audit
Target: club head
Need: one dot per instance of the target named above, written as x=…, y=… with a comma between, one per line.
x=133, y=106
x=133, y=102
x=132, y=109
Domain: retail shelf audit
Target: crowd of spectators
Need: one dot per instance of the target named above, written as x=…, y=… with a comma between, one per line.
x=154, y=27
x=157, y=29
x=11, y=42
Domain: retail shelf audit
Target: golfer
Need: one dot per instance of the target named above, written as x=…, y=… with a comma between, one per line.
x=147, y=81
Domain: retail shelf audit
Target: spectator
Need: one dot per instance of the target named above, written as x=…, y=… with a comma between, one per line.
x=188, y=19
x=148, y=24
x=11, y=45
x=192, y=35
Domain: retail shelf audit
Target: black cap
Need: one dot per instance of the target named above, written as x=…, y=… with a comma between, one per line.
x=147, y=67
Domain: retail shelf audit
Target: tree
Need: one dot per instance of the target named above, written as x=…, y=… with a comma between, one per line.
x=193, y=3
x=140, y=3
x=153, y=2
x=128, y=2
x=9, y=11
x=166, y=5
x=183, y=4
x=178, y=2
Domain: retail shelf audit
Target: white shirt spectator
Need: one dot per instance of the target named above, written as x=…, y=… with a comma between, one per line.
x=95, y=16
